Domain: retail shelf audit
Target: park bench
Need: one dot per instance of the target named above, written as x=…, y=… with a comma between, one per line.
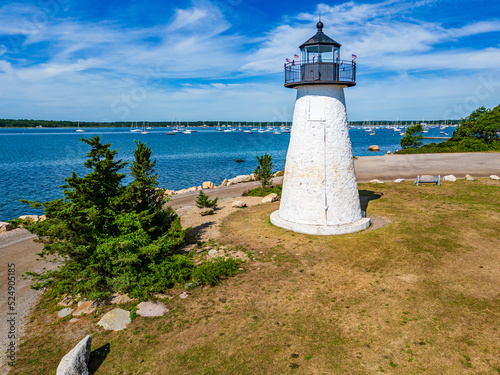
x=428, y=179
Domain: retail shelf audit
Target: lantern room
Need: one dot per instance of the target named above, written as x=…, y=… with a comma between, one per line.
x=320, y=48
x=320, y=63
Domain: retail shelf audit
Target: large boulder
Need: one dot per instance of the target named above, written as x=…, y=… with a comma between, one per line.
x=86, y=307
x=239, y=179
x=118, y=298
x=115, y=320
x=224, y=183
x=205, y=211
x=273, y=197
x=208, y=185
x=33, y=218
x=238, y=204
x=149, y=309
x=64, y=312
x=5, y=227
x=468, y=177
x=75, y=362
x=449, y=178
x=374, y=148
x=192, y=188
x=494, y=177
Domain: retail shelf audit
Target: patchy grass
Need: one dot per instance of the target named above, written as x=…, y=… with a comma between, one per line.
x=418, y=295
x=262, y=192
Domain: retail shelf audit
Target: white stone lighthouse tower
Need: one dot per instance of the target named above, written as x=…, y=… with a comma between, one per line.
x=320, y=193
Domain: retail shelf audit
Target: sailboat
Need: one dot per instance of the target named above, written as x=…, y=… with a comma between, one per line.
x=144, y=131
x=134, y=130
x=79, y=130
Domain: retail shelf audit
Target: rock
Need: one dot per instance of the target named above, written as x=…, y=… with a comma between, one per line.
x=41, y=218
x=374, y=148
x=117, y=298
x=273, y=197
x=212, y=253
x=5, y=227
x=74, y=320
x=468, y=177
x=252, y=176
x=494, y=177
x=66, y=301
x=449, y=178
x=183, y=295
x=239, y=160
x=388, y=152
x=162, y=296
x=182, y=191
x=238, y=204
x=279, y=173
x=64, y=312
x=375, y=181
x=148, y=309
x=206, y=211
x=399, y=180
x=29, y=217
x=239, y=179
x=86, y=307
x=192, y=188
x=115, y=320
x=224, y=183
x=169, y=192
x=208, y=185
x=75, y=362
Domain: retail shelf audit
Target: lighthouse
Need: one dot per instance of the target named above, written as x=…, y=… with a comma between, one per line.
x=320, y=192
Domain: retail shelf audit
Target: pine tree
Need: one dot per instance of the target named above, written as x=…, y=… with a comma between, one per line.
x=112, y=238
x=263, y=172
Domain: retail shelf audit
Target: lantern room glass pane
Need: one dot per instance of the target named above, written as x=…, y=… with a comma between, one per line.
x=319, y=53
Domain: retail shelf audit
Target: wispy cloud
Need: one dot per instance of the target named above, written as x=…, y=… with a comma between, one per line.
x=196, y=63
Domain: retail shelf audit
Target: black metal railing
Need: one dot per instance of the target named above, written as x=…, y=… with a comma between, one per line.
x=341, y=72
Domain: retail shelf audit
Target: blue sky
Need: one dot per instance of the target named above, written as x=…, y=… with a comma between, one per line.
x=153, y=60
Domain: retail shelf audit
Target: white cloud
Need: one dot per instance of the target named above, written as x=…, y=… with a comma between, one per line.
x=110, y=69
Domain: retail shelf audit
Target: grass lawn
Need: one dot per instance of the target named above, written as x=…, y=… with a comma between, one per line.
x=419, y=294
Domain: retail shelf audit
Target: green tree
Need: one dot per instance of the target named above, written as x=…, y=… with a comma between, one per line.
x=263, y=172
x=482, y=124
x=146, y=198
x=110, y=237
x=202, y=200
x=413, y=136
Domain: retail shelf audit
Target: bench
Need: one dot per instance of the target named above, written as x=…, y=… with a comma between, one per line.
x=428, y=179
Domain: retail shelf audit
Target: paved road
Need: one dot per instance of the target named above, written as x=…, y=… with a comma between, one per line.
x=390, y=167
x=385, y=168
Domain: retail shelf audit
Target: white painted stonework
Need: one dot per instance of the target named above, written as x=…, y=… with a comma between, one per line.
x=320, y=193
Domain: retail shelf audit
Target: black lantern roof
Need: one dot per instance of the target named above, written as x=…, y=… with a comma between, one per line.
x=320, y=38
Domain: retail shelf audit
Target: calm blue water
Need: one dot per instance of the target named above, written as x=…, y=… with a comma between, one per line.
x=34, y=162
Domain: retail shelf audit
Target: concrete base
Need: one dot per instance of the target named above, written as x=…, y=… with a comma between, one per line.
x=322, y=230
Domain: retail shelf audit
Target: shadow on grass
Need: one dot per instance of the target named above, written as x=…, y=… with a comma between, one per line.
x=97, y=357
x=365, y=196
x=193, y=233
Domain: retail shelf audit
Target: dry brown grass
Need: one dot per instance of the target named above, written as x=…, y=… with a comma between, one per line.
x=419, y=294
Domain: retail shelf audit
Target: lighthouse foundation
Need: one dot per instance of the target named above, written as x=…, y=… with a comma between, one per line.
x=320, y=193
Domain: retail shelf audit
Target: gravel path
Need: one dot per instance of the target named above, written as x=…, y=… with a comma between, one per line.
x=17, y=247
